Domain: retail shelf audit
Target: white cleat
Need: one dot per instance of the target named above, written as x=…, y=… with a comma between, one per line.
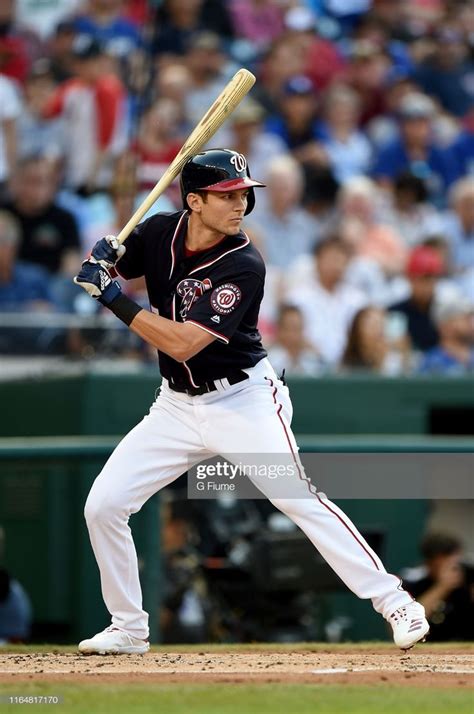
x=113, y=641
x=409, y=625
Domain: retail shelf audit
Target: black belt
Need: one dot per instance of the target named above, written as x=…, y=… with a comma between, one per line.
x=233, y=378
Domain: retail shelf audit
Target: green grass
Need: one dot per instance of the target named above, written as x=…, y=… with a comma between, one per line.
x=243, y=699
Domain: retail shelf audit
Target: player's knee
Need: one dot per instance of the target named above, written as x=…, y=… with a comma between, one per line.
x=102, y=510
x=289, y=506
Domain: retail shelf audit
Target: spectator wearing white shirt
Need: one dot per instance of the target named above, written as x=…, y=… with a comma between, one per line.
x=285, y=229
x=327, y=302
x=10, y=109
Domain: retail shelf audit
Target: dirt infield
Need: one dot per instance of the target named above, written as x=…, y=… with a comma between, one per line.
x=437, y=667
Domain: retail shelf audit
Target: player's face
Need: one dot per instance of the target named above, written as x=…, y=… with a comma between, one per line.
x=224, y=212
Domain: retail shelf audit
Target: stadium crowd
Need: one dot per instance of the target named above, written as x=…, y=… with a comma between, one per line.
x=361, y=124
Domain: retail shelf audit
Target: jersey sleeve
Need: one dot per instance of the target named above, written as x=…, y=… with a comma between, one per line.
x=222, y=307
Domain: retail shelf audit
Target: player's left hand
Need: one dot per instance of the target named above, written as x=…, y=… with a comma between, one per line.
x=97, y=281
x=107, y=251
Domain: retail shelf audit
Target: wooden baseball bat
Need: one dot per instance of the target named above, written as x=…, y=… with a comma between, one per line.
x=226, y=102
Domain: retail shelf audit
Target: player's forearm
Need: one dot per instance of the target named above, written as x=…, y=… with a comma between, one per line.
x=170, y=337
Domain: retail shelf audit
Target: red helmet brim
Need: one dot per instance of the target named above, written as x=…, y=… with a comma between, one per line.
x=233, y=185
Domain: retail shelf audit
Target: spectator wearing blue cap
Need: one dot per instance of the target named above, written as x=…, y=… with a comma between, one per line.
x=416, y=151
x=296, y=123
x=105, y=23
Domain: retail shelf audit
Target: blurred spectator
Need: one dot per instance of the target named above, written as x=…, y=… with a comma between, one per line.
x=424, y=269
x=291, y=352
x=44, y=17
x=216, y=17
x=207, y=65
x=173, y=81
x=259, y=21
x=185, y=606
x=48, y=234
x=10, y=109
x=296, y=122
x=60, y=49
x=38, y=136
x=93, y=102
x=103, y=21
x=376, y=345
x=157, y=141
x=323, y=62
x=415, y=150
x=277, y=67
x=286, y=230
x=15, y=610
x=327, y=303
x=444, y=585
x=384, y=128
x=409, y=212
x=248, y=136
x=459, y=224
x=179, y=20
x=348, y=149
x=372, y=28
x=16, y=48
x=361, y=227
x=454, y=318
x=463, y=148
x=319, y=197
x=23, y=286
x=366, y=73
x=447, y=74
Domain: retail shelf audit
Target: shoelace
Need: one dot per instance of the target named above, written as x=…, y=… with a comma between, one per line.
x=402, y=614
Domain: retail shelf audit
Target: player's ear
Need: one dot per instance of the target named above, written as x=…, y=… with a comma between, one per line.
x=194, y=201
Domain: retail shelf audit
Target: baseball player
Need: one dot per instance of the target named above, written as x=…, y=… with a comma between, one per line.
x=219, y=395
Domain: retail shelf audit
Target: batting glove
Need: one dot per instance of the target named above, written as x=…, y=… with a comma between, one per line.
x=97, y=281
x=107, y=251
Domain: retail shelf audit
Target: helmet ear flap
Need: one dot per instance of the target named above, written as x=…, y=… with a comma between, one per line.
x=250, y=201
x=250, y=196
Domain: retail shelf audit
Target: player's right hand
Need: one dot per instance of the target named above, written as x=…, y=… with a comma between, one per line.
x=107, y=251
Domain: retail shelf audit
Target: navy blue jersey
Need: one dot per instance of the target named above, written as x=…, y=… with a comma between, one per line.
x=219, y=289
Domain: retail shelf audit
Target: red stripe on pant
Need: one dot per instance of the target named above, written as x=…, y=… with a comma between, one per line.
x=308, y=483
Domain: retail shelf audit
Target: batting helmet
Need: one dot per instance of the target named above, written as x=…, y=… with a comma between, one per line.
x=218, y=170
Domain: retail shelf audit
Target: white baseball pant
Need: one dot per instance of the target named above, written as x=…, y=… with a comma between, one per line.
x=180, y=431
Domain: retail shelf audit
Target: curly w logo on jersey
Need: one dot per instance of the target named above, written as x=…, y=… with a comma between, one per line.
x=225, y=298
x=189, y=290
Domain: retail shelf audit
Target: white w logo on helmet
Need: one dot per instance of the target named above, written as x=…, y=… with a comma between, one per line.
x=239, y=161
